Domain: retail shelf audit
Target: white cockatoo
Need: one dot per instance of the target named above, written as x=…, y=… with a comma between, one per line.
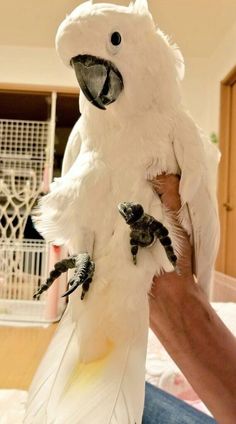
x=133, y=127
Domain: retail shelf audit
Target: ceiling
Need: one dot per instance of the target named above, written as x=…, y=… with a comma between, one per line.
x=196, y=25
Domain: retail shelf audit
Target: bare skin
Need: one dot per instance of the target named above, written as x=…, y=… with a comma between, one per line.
x=189, y=328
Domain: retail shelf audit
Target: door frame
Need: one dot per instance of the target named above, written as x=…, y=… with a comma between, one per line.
x=224, y=135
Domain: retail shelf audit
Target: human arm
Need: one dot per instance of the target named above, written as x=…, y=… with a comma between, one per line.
x=189, y=328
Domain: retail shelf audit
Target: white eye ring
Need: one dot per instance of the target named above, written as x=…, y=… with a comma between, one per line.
x=114, y=42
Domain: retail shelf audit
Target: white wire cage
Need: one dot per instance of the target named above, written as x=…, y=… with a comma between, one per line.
x=18, y=192
x=24, y=146
x=26, y=160
x=24, y=267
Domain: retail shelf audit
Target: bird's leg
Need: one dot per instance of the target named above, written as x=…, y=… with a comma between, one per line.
x=134, y=250
x=162, y=234
x=139, y=237
x=83, y=274
x=59, y=268
x=145, y=229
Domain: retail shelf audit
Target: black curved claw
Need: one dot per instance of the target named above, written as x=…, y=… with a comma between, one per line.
x=83, y=275
x=170, y=254
x=41, y=289
x=134, y=251
x=59, y=268
x=73, y=288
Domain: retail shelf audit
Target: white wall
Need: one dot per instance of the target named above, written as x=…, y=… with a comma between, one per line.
x=195, y=90
x=201, y=86
x=40, y=66
x=220, y=64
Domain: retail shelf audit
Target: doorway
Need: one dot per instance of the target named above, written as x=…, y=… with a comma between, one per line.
x=226, y=262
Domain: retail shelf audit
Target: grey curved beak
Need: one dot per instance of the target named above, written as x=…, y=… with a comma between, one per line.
x=99, y=79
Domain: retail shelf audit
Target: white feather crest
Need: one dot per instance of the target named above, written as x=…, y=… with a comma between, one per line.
x=178, y=57
x=140, y=6
x=179, y=62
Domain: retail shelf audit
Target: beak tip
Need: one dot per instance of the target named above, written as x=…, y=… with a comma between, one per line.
x=97, y=103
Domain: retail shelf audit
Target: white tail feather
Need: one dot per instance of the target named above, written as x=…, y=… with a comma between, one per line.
x=109, y=390
x=45, y=376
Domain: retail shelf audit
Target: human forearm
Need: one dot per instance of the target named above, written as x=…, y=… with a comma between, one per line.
x=189, y=328
x=197, y=340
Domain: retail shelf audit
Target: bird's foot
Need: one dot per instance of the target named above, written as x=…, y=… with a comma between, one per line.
x=59, y=268
x=83, y=275
x=145, y=230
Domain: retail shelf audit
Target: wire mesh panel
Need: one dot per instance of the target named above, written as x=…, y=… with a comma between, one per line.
x=24, y=145
x=23, y=268
x=27, y=139
x=26, y=159
x=16, y=201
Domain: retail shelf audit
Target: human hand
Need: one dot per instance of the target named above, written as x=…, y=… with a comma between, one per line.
x=167, y=187
x=169, y=289
x=188, y=327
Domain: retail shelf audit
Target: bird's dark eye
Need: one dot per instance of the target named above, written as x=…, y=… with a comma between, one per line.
x=115, y=38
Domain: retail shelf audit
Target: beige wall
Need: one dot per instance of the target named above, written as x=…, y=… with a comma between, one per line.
x=195, y=90
x=201, y=86
x=202, y=83
x=220, y=64
x=40, y=66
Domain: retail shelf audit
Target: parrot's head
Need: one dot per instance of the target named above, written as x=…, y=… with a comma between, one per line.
x=120, y=57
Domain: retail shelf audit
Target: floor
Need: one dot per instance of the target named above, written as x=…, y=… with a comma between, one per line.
x=21, y=350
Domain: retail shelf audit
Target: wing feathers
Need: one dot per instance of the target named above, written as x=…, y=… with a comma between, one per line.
x=198, y=161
